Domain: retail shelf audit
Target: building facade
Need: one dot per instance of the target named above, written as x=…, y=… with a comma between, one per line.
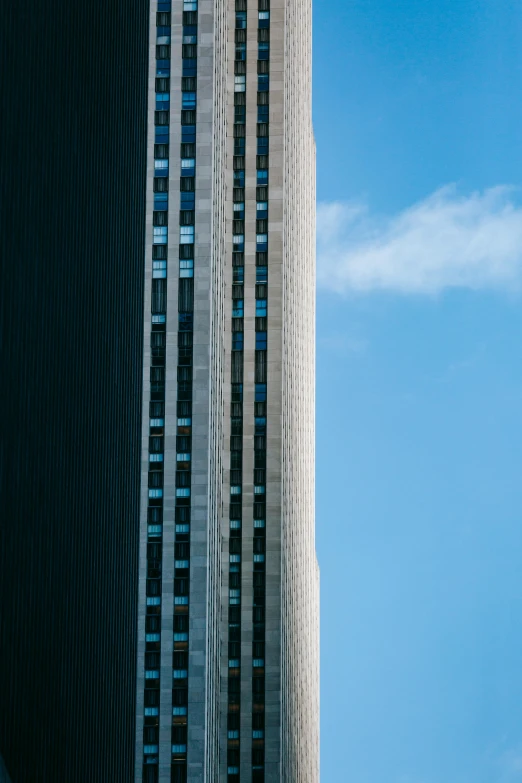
x=227, y=677
x=72, y=199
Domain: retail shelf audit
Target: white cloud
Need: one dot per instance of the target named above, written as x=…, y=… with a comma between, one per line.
x=445, y=241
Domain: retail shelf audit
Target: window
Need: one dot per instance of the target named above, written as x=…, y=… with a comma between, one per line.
x=233, y=663
x=147, y=749
x=259, y=558
x=260, y=421
x=259, y=523
x=261, y=308
x=262, y=176
x=262, y=113
x=151, y=674
x=151, y=711
x=161, y=134
x=232, y=770
x=261, y=243
x=238, y=275
x=152, y=637
x=188, y=100
x=264, y=51
x=188, y=134
x=154, y=600
x=161, y=167
x=190, y=66
x=264, y=19
x=188, y=166
x=258, y=734
x=180, y=600
x=162, y=101
x=237, y=341
x=261, y=274
x=241, y=20
x=162, y=35
x=155, y=493
x=262, y=145
x=260, y=393
x=190, y=34
x=239, y=145
x=184, y=528
x=236, y=490
x=160, y=235
x=238, y=240
x=263, y=80
x=234, y=595
x=184, y=422
x=235, y=524
x=162, y=67
x=183, y=493
x=180, y=710
x=241, y=51
x=234, y=733
x=260, y=342
x=259, y=490
x=237, y=308
x=158, y=319
x=161, y=202
x=239, y=178
x=262, y=210
x=239, y=114
x=239, y=210
x=186, y=267
x=179, y=748
x=239, y=84
x=159, y=269
x=190, y=5
x=186, y=235
x=187, y=201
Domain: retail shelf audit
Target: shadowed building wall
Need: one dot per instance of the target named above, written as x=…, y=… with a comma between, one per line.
x=72, y=180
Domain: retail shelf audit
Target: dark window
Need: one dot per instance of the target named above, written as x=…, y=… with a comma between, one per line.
x=263, y=82
x=241, y=20
x=188, y=134
x=260, y=341
x=263, y=113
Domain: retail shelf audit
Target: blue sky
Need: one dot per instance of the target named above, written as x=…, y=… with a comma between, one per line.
x=418, y=123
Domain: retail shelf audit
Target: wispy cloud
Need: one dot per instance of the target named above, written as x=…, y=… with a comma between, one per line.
x=445, y=241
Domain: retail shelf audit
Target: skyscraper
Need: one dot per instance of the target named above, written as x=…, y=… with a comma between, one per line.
x=72, y=205
x=227, y=683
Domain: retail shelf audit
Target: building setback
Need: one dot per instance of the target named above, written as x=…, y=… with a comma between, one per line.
x=72, y=185
x=227, y=679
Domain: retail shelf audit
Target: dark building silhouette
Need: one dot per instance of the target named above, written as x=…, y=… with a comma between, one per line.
x=72, y=189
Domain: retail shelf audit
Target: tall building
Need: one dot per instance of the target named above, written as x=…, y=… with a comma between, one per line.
x=72, y=199
x=227, y=683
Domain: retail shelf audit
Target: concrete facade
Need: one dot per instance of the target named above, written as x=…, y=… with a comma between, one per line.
x=290, y=741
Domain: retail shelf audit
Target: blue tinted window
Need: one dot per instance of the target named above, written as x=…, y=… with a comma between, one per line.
x=262, y=145
x=262, y=113
x=190, y=34
x=188, y=134
x=239, y=179
x=162, y=67
x=260, y=341
x=260, y=395
x=187, y=201
x=161, y=135
x=262, y=176
x=263, y=82
x=237, y=341
x=261, y=308
x=190, y=67
x=188, y=100
x=261, y=274
x=264, y=51
x=239, y=274
x=161, y=201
